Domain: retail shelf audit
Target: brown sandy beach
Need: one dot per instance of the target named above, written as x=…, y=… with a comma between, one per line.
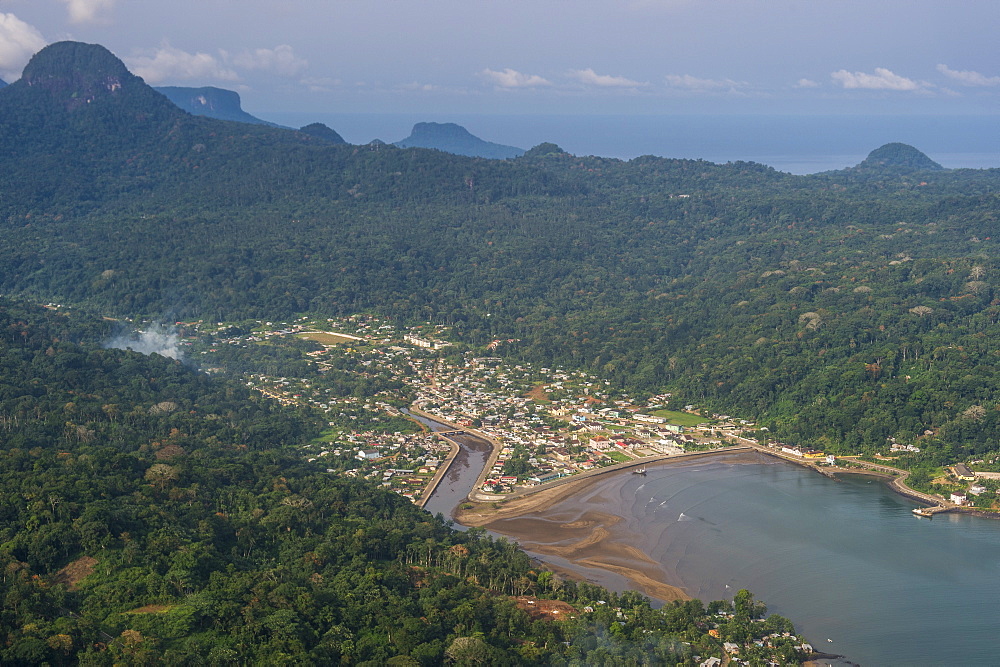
x=584, y=524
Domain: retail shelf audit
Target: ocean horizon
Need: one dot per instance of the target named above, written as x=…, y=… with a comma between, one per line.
x=798, y=144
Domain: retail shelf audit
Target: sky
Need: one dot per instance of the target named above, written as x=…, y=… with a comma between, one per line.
x=543, y=56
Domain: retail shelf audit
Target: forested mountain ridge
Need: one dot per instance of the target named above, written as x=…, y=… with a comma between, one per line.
x=842, y=308
x=321, y=131
x=79, y=128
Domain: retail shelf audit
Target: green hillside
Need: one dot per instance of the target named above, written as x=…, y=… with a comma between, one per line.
x=841, y=308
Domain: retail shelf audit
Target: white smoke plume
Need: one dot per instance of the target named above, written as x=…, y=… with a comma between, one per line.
x=158, y=339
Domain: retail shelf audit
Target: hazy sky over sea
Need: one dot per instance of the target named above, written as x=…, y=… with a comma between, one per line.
x=543, y=56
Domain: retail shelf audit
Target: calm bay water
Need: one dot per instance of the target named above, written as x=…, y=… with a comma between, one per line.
x=846, y=561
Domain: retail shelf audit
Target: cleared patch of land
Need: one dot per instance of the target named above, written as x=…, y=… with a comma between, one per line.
x=72, y=574
x=152, y=609
x=327, y=338
x=545, y=610
x=681, y=418
x=538, y=395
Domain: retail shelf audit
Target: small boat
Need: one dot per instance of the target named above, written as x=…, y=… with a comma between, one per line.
x=640, y=471
x=920, y=511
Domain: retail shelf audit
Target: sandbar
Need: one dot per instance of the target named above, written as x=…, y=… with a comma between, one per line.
x=583, y=523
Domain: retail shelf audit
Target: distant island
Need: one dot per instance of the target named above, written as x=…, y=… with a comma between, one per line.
x=452, y=138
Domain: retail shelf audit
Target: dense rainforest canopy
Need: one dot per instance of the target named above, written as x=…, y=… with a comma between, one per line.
x=841, y=308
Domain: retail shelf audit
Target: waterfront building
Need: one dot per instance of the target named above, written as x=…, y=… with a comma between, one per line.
x=963, y=472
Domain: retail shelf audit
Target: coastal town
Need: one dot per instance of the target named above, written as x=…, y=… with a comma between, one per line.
x=374, y=379
x=396, y=398
x=545, y=423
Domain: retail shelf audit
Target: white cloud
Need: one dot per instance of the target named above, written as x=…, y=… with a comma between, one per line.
x=416, y=86
x=591, y=78
x=169, y=63
x=18, y=42
x=86, y=11
x=806, y=83
x=969, y=77
x=640, y=5
x=510, y=78
x=693, y=83
x=882, y=79
x=280, y=60
x=320, y=84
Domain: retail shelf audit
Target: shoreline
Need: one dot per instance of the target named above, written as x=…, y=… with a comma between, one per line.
x=596, y=539
x=895, y=480
x=590, y=539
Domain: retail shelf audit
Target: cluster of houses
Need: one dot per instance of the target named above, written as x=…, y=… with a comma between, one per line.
x=512, y=407
x=404, y=463
x=734, y=653
x=520, y=406
x=965, y=474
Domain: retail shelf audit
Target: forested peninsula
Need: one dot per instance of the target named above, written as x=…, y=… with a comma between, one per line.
x=841, y=311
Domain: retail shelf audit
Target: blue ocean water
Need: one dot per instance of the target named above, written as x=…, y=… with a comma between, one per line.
x=799, y=144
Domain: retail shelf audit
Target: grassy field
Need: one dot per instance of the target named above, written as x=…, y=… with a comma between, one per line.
x=681, y=418
x=618, y=457
x=327, y=338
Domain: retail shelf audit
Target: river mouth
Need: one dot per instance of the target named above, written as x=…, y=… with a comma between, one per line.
x=461, y=476
x=463, y=471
